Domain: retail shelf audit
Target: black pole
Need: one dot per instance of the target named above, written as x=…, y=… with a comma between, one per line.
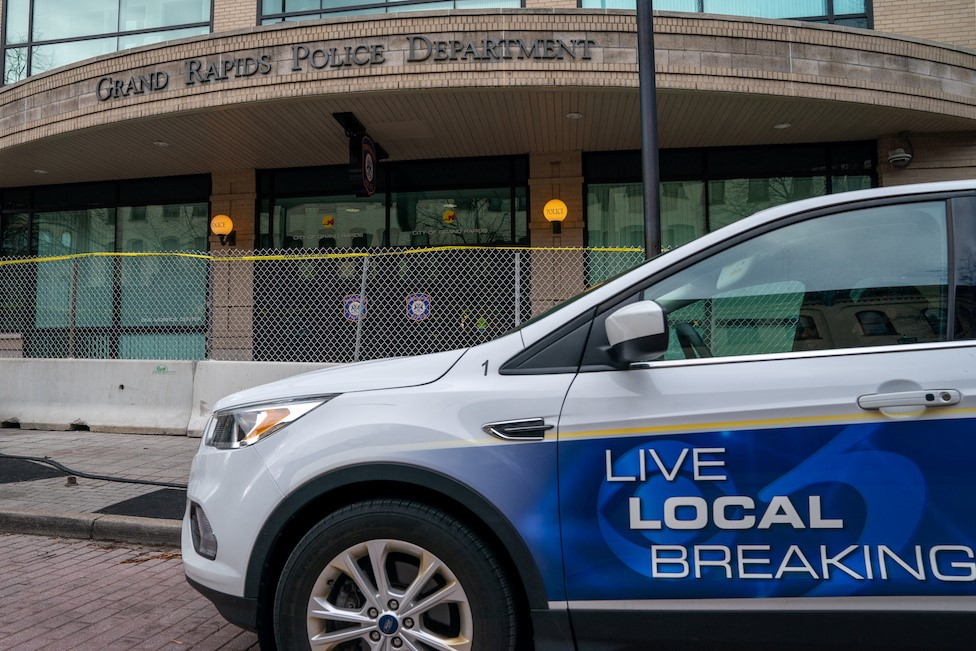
x=650, y=171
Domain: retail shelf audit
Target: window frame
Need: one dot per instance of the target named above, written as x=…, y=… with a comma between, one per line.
x=714, y=165
x=340, y=9
x=510, y=173
x=830, y=18
x=30, y=44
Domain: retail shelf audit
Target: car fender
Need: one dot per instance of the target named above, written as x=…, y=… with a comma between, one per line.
x=331, y=485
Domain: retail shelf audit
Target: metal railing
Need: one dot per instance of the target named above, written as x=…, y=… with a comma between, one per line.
x=291, y=305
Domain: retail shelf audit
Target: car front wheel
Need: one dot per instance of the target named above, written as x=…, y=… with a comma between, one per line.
x=389, y=574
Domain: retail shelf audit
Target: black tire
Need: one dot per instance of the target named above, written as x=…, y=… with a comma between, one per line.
x=337, y=559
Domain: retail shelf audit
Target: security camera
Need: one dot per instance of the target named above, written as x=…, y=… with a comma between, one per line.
x=899, y=157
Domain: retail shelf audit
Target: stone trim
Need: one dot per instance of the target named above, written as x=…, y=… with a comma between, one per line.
x=694, y=52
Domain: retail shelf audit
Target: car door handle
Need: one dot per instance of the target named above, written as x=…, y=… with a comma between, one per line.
x=526, y=429
x=925, y=398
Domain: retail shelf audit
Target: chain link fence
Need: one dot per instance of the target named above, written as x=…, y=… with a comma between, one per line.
x=292, y=305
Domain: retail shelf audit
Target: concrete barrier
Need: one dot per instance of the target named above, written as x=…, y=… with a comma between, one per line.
x=101, y=395
x=148, y=397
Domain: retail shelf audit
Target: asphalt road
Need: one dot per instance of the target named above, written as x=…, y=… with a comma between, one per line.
x=58, y=594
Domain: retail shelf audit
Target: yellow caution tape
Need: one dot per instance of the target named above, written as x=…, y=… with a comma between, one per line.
x=311, y=256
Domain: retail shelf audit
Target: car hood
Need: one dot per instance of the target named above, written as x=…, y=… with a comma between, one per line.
x=392, y=373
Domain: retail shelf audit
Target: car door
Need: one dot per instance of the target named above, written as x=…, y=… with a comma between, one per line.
x=805, y=442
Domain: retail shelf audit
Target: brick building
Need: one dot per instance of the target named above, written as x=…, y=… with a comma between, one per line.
x=126, y=126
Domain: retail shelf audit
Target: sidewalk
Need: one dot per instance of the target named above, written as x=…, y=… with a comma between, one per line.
x=40, y=499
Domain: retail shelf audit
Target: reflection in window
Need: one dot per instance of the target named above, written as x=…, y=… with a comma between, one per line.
x=13, y=234
x=16, y=295
x=739, y=198
x=91, y=230
x=615, y=214
x=147, y=307
x=62, y=32
x=149, y=38
x=615, y=211
x=149, y=14
x=869, y=277
x=174, y=227
x=343, y=221
x=48, y=57
x=56, y=19
x=409, y=209
x=274, y=11
x=853, y=13
x=767, y=8
x=615, y=218
x=17, y=16
x=456, y=218
x=74, y=292
x=15, y=65
x=875, y=324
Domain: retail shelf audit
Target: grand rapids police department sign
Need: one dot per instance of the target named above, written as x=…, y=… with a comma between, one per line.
x=412, y=49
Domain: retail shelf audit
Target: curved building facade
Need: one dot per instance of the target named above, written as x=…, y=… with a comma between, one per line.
x=126, y=126
x=554, y=85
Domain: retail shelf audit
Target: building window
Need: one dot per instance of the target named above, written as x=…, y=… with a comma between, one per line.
x=44, y=34
x=276, y=11
x=703, y=190
x=420, y=203
x=853, y=13
x=106, y=306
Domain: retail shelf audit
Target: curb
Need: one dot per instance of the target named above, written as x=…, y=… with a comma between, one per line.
x=94, y=526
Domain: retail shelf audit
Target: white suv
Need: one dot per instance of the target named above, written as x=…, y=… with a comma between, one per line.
x=771, y=424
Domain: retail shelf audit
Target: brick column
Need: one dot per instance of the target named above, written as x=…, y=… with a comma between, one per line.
x=234, y=193
x=232, y=330
x=234, y=14
x=556, y=275
x=556, y=176
x=948, y=21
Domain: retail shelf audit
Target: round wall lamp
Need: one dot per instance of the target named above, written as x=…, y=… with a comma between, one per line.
x=223, y=226
x=555, y=211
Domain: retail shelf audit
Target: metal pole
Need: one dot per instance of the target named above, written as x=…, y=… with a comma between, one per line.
x=518, y=288
x=650, y=171
x=362, y=310
x=73, y=308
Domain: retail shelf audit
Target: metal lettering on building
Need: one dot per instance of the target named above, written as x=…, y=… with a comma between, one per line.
x=111, y=88
x=312, y=57
x=198, y=71
x=421, y=48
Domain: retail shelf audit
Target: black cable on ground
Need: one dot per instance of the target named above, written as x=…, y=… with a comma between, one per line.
x=54, y=464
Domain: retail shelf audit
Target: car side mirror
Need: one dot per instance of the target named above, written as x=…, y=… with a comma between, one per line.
x=637, y=332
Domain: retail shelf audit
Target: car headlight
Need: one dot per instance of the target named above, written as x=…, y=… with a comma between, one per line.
x=243, y=426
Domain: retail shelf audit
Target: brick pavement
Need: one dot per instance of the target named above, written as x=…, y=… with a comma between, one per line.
x=63, y=595
x=132, y=456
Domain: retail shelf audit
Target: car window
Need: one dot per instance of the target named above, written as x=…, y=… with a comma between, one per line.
x=870, y=277
x=964, y=227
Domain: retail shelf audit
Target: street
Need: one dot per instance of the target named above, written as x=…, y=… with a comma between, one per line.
x=60, y=594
